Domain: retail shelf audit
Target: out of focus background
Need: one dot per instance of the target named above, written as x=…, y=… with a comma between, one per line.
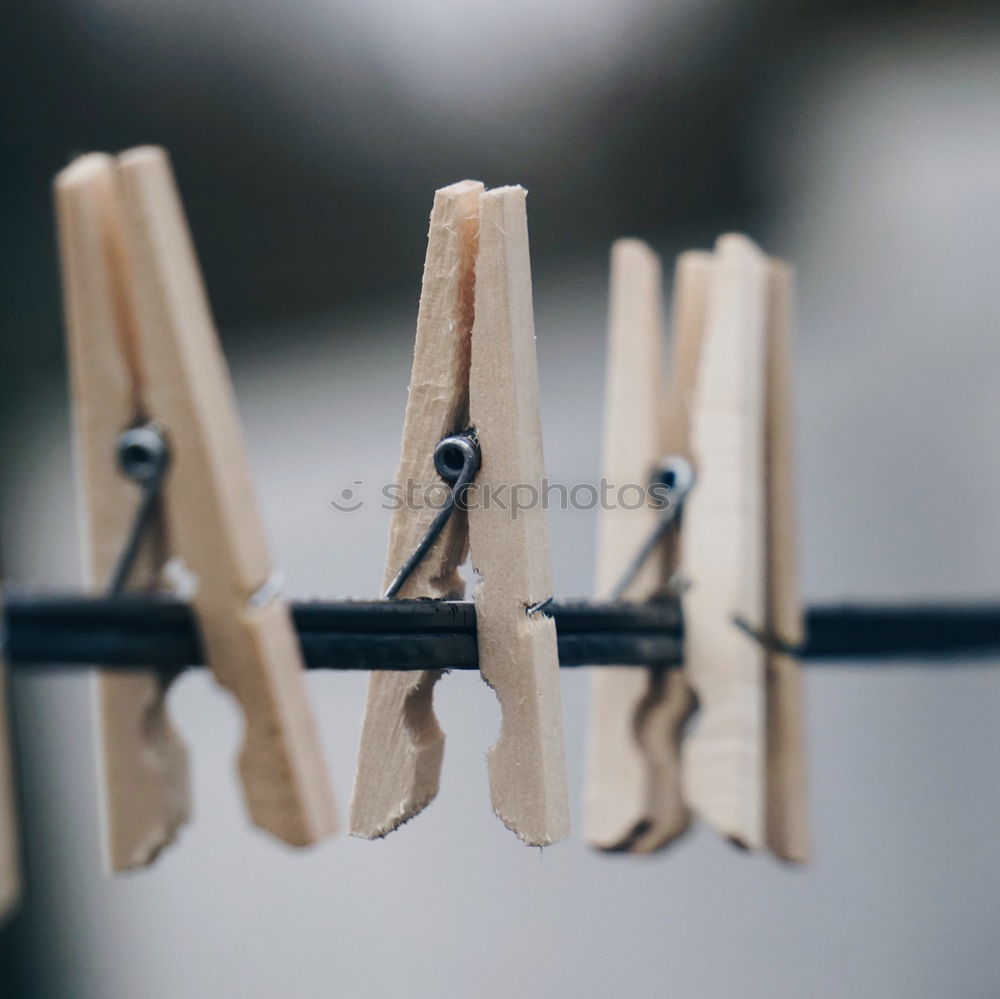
x=859, y=140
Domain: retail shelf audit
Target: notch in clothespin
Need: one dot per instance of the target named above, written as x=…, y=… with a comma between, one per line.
x=743, y=760
x=474, y=369
x=633, y=797
x=152, y=399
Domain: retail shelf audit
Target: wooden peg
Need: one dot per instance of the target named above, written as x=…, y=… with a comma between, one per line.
x=736, y=557
x=143, y=762
x=399, y=762
x=634, y=799
x=510, y=550
x=787, y=821
x=10, y=853
x=667, y=711
x=211, y=514
x=625, y=791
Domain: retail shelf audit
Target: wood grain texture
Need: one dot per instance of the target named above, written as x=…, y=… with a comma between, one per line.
x=787, y=818
x=399, y=761
x=510, y=551
x=625, y=793
x=211, y=512
x=724, y=543
x=10, y=851
x=666, y=712
x=142, y=762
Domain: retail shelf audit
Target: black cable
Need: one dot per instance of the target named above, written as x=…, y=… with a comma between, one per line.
x=135, y=631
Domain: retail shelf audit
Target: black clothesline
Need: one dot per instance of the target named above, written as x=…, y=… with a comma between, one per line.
x=39, y=630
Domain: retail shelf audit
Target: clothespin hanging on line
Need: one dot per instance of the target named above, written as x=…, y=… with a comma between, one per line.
x=743, y=764
x=633, y=797
x=150, y=382
x=727, y=410
x=474, y=367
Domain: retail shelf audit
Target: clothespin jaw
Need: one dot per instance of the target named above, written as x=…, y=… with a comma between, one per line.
x=474, y=363
x=633, y=796
x=518, y=657
x=144, y=765
x=742, y=765
x=143, y=345
x=402, y=745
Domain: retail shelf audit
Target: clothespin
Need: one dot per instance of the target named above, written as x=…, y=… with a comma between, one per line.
x=633, y=797
x=150, y=383
x=10, y=853
x=743, y=768
x=474, y=368
x=731, y=555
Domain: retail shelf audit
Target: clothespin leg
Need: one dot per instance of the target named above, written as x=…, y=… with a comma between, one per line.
x=787, y=820
x=212, y=519
x=143, y=763
x=399, y=761
x=626, y=792
x=724, y=551
x=517, y=641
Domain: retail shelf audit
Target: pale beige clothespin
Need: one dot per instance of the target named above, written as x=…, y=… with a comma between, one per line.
x=743, y=768
x=10, y=853
x=474, y=366
x=144, y=356
x=633, y=797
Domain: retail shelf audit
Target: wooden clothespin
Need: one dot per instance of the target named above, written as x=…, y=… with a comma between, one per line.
x=144, y=358
x=743, y=765
x=474, y=366
x=633, y=797
x=10, y=854
x=727, y=410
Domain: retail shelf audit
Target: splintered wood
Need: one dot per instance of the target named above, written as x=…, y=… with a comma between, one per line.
x=742, y=761
x=399, y=762
x=144, y=764
x=510, y=548
x=143, y=347
x=474, y=363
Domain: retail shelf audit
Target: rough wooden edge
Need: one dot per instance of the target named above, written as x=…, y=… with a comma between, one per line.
x=399, y=760
x=787, y=818
x=510, y=551
x=724, y=551
x=212, y=515
x=619, y=798
x=142, y=761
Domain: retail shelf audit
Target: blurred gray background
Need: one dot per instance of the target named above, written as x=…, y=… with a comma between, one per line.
x=859, y=140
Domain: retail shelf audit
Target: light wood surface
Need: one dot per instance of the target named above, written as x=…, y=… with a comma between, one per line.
x=212, y=515
x=787, y=819
x=143, y=764
x=625, y=790
x=724, y=547
x=666, y=713
x=143, y=346
x=510, y=550
x=399, y=761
